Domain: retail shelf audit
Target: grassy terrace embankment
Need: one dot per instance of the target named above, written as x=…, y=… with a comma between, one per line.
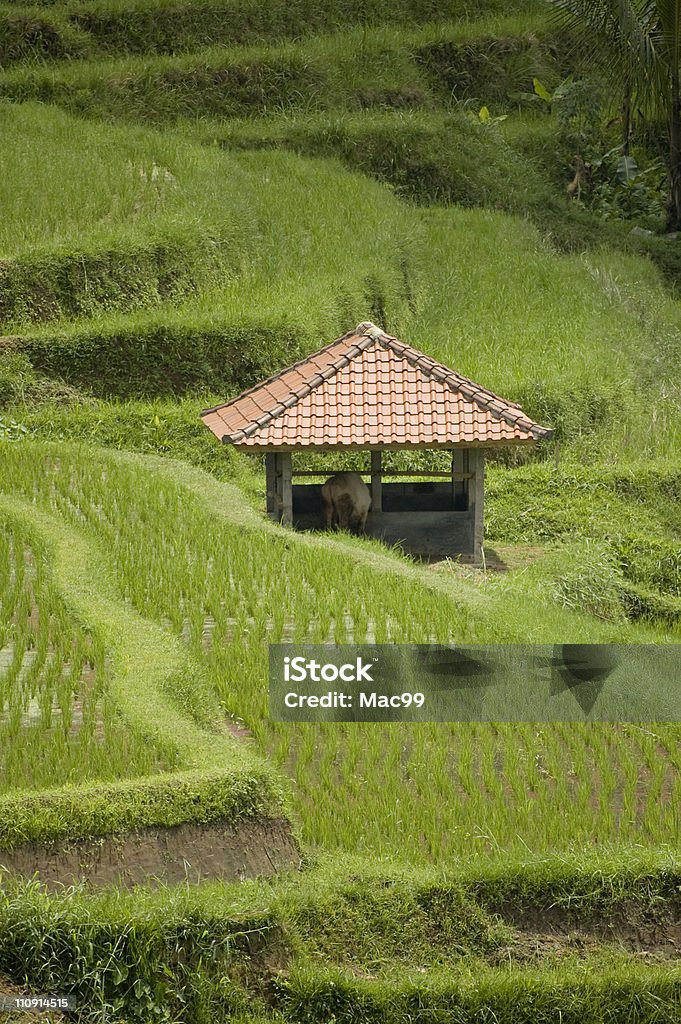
x=408, y=67
x=587, y=343
x=52, y=31
x=563, y=938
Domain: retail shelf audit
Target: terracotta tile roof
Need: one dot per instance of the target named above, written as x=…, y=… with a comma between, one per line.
x=369, y=389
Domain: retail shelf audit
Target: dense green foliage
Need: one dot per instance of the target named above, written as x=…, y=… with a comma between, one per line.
x=165, y=358
x=83, y=811
x=636, y=49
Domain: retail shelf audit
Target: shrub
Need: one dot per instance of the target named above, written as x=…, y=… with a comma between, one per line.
x=585, y=577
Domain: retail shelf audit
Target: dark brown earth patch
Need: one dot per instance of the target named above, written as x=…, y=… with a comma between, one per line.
x=149, y=856
x=235, y=727
x=635, y=927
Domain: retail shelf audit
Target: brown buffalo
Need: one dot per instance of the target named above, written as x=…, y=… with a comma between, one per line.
x=346, y=500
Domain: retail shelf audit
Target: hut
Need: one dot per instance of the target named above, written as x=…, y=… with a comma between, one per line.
x=368, y=391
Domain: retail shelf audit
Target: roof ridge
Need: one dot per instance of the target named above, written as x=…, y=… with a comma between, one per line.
x=280, y=373
x=483, y=397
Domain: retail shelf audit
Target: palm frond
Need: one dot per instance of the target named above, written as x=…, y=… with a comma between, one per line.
x=590, y=25
x=622, y=41
x=667, y=18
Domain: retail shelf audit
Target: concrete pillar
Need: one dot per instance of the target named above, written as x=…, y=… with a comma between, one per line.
x=279, y=487
x=478, y=494
x=271, y=484
x=286, y=489
x=376, y=482
x=467, y=467
x=457, y=467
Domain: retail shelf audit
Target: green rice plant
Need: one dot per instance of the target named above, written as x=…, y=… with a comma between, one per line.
x=185, y=549
x=56, y=724
x=135, y=733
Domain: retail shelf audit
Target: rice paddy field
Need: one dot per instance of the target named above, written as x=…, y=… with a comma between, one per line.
x=57, y=722
x=422, y=797
x=433, y=789
x=193, y=196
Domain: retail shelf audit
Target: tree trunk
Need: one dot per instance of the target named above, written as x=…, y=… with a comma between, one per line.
x=626, y=120
x=674, y=207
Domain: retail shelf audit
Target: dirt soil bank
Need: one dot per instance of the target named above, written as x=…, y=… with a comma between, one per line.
x=192, y=852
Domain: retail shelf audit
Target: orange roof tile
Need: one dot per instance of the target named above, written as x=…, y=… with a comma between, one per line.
x=368, y=389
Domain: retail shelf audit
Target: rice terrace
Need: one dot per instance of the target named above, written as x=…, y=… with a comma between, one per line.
x=428, y=251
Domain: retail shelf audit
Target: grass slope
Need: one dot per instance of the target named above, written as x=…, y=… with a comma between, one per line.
x=220, y=227
x=54, y=30
x=586, y=343
x=478, y=48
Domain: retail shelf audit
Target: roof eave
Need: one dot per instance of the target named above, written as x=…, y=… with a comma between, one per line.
x=381, y=446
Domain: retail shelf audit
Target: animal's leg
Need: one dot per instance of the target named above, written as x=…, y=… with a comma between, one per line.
x=345, y=509
x=358, y=522
x=328, y=510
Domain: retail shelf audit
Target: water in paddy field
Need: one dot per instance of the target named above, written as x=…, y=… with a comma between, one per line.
x=34, y=716
x=7, y=656
x=287, y=634
x=34, y=713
